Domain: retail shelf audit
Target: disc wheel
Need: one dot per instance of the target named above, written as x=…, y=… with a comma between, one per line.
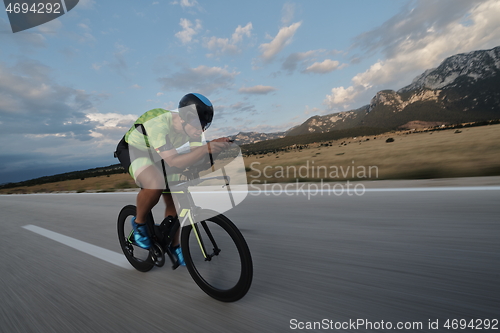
x=138, y=257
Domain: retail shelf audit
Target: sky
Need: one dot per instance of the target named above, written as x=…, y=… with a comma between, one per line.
x=71, y=88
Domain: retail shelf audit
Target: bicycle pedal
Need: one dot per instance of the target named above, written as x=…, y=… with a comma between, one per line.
x=157, y=254
x=175, y=262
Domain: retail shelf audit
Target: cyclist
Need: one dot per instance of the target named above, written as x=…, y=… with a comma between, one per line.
x=150, y=152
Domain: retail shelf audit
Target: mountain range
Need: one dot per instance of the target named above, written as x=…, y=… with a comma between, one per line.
x=463, y=88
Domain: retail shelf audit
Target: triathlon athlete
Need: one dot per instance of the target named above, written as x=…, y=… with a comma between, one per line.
x=150, y=152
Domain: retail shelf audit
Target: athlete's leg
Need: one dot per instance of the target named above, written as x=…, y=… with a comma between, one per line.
x=170, y=206
x=170, y=210
x=146, y=200
x=152, y=183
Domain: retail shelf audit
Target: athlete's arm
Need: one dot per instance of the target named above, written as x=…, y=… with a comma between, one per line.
x=181, y=161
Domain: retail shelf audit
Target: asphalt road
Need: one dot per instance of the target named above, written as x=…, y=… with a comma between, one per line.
x=383, y=257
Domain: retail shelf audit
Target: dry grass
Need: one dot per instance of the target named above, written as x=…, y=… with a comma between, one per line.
x=101, y=183
x=473, y=152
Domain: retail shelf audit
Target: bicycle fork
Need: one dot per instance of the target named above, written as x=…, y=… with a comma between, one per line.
x=186, y=215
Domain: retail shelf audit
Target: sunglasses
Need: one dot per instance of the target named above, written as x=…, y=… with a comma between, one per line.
x=196, y=123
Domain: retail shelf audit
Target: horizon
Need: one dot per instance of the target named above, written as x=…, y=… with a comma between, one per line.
x=73, y=86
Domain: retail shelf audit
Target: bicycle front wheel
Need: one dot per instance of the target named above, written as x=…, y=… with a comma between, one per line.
x=222, y=267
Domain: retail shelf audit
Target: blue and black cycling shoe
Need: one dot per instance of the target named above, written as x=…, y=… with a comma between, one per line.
x=177, y=251
x=141, y=237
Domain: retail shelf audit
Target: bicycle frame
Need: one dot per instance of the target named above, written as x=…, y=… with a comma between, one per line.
x=163, y=234
x=187, y=215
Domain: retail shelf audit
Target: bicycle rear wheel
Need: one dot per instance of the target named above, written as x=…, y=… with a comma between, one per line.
x=136, y=256
x=227, y=274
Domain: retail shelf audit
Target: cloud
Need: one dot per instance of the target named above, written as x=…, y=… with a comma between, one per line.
x=83, y=34
x=84, y=26
x=295, y=59
x=42, y=117
x=188, y=30
x=341, y=97
x=86, y=4
x=257, y=90
x=227, y=112
x=419, y=38
x=86, y=38
x=313, y=110
x=282, y=39
x=287, y=13
x=242, y=107
x=185, y=3
x=97, y=66
x=417, y=21
x=118, y=64
x=50, y=27
x=307, y=62
x=323, y=67
x=111, y=120
x=25, y=40
x=56, y=126
x=32, y=103
x=229, y=46
x=203, y=79
x=107, y=127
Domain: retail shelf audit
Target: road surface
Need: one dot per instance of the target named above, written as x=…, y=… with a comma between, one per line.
x=323, y=262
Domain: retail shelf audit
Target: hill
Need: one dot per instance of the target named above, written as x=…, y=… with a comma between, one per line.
x=463, y=88
x=82, y=174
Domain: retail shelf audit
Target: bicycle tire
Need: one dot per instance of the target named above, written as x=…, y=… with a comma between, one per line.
x=213, y=276
x=139, y=258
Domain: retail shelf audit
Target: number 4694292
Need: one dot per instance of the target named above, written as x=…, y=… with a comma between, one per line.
x=36, y=8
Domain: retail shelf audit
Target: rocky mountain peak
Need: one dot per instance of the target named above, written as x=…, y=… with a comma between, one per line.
x=475, y=65
x=253, y=137
x=385, y=97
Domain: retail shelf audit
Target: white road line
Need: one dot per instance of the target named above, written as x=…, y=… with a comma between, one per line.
x=96, y=251
x=437, y=188
x=316, y=188
x=306, y=188
x=313, y=188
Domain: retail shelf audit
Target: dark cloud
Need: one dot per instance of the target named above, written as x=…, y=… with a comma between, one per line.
x=416, y=20
x=243, y=107
x=203, y=79
x=303, y=60
x=118, y=64
x=32, y=103
x=293, y=61
x=257, y=90
x=226, y=112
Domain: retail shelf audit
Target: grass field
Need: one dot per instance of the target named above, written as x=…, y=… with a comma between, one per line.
x=99, y=184
x=467, y=152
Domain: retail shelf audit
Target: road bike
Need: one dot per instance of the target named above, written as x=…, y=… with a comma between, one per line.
x=215, y=252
